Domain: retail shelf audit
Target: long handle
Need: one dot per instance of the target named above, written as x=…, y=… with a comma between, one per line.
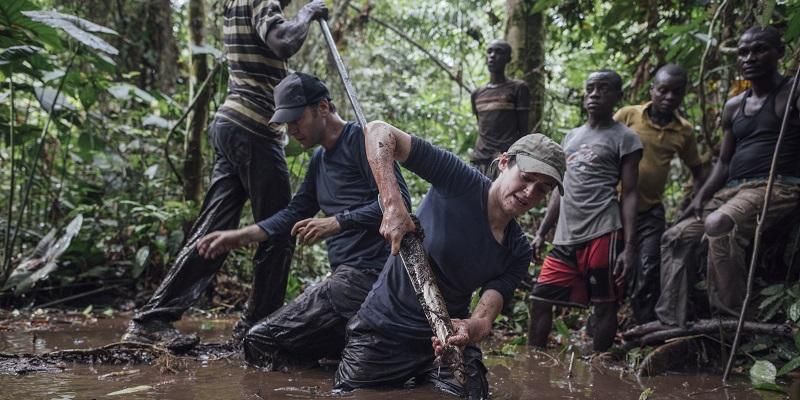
x=348, y=84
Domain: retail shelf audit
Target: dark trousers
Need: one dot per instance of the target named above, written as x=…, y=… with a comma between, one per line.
x=246, y=166
x=312, y=326
x=372, y=359
x=644, y=284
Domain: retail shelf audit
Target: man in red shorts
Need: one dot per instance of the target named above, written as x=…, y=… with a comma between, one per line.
x=591, y=253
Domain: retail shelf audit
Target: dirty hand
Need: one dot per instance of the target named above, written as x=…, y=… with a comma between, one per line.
x=626, y=262
x=220, y=242
x=694, y=209
x=465, y=331
x=317, y=9
x=396, y=223
x=311, y=230
x=536, y=248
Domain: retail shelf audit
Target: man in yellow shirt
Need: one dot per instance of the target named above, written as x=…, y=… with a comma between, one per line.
x=664, y=133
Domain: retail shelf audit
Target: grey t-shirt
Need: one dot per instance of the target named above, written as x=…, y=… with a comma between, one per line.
x=589, y=206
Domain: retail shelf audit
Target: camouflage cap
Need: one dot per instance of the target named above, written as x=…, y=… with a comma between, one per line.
x=537, y=153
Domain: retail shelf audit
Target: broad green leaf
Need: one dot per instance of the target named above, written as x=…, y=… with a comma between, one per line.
x=763, y=372
x=794, y=311
x=770, y=300
x=20, y=30
x=47, y=96
x=78, y=28
x=789, y=366
x=142, y=256
x=14, y=53
x=772, y=290
x=216, y=53
x=153, y=120
x=769, y=387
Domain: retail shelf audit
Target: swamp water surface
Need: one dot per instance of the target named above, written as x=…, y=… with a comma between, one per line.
x=527, y=375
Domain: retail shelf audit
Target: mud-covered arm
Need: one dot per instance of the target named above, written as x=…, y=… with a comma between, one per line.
x=369, y=215
x=478, y=326
x=285, y=37
x=386, y=144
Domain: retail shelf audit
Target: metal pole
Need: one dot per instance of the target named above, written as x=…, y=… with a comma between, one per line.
x=348, y=84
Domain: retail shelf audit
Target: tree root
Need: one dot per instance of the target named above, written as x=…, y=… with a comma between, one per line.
x=655, y=332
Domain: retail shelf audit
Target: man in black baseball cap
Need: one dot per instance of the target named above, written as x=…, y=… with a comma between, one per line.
x=340, y=184
x=294, y=93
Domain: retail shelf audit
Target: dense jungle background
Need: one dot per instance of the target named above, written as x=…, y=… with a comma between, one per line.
x=104, y=107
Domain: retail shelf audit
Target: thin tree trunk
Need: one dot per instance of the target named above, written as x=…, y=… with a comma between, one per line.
x=7, y=251
x=526, y=34
x=164, y=44
x=193, y=158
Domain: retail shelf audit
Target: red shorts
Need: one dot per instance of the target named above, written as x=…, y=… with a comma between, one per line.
x=578, y=274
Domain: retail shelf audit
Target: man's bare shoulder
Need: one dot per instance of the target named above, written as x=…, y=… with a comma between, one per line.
x=732, y=106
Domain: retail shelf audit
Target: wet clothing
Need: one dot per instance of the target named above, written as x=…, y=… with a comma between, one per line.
x=312, y=326
x=389, y=339
x=374, y=358
x=339, y=183
x=756, y=135
x=589, y=207
x=661, y=144
x=254, y=69
x=682, y=250
x=462, y=251
x=577, y=275
x=644, y=284
x=497, y=107
x=249, y=163
x=246, y=166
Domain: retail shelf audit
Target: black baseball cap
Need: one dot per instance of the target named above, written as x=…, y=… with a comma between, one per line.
x=294, y=93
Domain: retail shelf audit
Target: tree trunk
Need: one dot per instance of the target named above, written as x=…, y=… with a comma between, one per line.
x=162, y=75
x=525, y=32
x=193, y=158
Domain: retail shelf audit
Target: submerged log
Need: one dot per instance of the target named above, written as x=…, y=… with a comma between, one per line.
x=412, y=254
x=655, y=333
x=114, y=353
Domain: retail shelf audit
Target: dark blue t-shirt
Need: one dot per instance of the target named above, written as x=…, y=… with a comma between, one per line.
x=340, y=183
x=462, y=250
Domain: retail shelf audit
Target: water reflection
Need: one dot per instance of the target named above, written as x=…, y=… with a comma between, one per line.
x=528, y=374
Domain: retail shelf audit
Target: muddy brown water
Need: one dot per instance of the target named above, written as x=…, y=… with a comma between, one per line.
x=527, y=375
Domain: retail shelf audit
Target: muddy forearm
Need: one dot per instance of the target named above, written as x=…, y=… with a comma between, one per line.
x=384, y=146
x=484, y=314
